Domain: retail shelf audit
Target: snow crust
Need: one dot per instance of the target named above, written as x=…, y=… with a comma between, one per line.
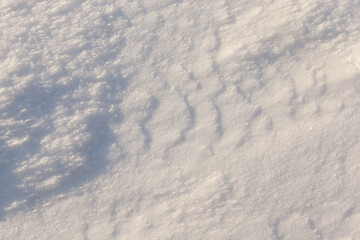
x=179, y=119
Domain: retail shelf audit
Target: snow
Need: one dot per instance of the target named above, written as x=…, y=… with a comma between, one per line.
x=177, y=119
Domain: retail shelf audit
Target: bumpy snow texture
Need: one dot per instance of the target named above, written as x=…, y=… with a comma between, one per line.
x=179, y=119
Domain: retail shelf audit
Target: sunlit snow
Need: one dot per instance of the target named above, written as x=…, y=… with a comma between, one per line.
x=179, y=119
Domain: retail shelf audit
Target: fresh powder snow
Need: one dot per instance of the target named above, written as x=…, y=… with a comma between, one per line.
x=180, y=119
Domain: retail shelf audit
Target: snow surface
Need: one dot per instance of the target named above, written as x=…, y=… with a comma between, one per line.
x=179, y=119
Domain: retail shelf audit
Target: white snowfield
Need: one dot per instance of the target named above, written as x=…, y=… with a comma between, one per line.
x=180, y=119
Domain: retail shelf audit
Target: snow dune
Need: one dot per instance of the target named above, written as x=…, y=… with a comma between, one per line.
x=177, y=119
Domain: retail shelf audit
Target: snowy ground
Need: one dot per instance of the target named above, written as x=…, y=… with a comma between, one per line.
x=179, y=119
